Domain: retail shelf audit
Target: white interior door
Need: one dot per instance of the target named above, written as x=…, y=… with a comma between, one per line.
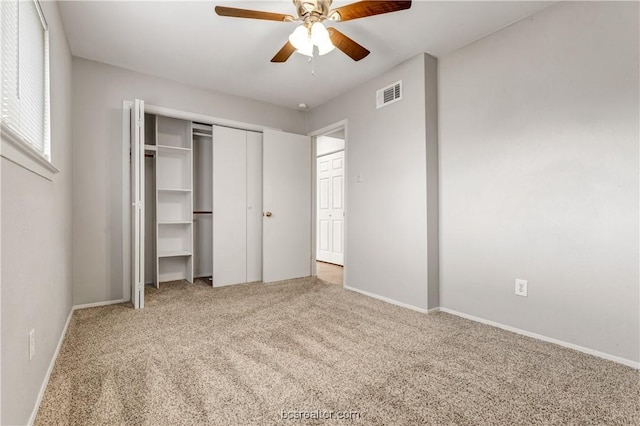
x=254, y=206
x=330, y=205
x=229, y=206
x=287, y=206
x=137, y=198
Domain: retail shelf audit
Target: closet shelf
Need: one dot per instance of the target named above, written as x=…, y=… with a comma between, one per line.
x=174, y=190
x=173, y=148
x=148, y=147
x=200, y=127
x=175, y=222
x=206, y=135
x=174, y=253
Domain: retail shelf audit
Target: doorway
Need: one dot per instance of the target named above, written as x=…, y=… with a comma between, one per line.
x=330, y=205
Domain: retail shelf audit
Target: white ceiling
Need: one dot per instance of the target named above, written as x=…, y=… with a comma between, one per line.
x=187, y=42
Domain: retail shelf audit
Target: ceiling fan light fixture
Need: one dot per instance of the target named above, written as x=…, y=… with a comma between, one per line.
x=319, y=33
x=320, y=37
x=306, y=50
x=301, y=40
x=325, y=48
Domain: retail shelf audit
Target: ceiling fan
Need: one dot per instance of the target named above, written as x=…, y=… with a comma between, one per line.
x=312, y=13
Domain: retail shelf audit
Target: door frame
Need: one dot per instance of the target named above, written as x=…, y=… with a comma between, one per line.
x=342, y=124
x=127, y=105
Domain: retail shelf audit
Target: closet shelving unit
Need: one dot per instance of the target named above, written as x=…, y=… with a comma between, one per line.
x=174, y=200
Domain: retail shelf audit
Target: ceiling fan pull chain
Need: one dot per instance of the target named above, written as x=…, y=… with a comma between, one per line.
x=313, y=66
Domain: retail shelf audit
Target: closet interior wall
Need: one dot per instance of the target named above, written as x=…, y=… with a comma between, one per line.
x=150, y=200
x=202, y=201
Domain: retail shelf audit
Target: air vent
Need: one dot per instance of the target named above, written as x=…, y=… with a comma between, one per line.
x=389, y=94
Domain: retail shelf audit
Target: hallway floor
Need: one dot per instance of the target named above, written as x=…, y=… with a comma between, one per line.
x=329, y=272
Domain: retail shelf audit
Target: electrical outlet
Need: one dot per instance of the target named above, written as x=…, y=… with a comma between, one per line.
x=32, y=344
x=521, y=287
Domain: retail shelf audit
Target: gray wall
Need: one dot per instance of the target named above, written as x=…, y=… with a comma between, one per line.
x=539, y=176
x=387, y=235
x=98, y=93
x=36, y=248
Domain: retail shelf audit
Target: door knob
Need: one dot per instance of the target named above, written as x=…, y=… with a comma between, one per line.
x=268, y=214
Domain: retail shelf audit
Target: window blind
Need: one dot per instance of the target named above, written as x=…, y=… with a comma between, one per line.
x=25, y=70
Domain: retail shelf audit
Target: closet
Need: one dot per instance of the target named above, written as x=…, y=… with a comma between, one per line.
x=215, y=201
x=203, y=197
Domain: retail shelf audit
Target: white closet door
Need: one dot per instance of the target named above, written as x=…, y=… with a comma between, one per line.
x=287, y=204
x=137, y=199
x=229, y=206
x=254, y=206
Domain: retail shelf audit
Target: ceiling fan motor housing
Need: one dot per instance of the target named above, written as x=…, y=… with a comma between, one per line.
x=311, y=11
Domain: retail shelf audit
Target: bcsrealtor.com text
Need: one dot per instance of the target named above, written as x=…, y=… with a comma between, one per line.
x=320, y=415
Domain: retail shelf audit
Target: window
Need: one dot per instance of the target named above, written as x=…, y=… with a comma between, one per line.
x=24, y=112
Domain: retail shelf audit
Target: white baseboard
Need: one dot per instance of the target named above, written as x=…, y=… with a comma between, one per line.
x=393, y=302
x=603, y=355
x=45, y=382
x=562, y=343
x=93, y=305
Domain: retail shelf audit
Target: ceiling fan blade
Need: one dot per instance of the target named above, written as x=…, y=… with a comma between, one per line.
x=348, y=46
x=362, y=9
x=284, y=53
x=252, y=14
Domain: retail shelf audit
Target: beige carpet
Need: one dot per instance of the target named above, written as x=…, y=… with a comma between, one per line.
x=243, y=354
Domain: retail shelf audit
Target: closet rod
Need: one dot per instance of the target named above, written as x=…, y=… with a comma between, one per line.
x=202, y=212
